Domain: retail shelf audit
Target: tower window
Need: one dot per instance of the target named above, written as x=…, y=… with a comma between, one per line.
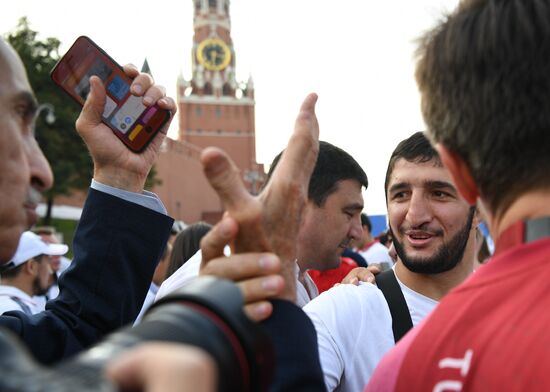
x=212, y=3
x=197, y=5
x=218, y=112
x=198, y=111
x=227, y=89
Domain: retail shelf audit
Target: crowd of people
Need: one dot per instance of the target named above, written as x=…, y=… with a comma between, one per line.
x=326, y=305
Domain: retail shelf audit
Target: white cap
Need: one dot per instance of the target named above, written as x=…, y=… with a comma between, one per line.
x=31, y=245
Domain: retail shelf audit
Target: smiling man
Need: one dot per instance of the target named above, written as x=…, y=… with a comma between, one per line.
x=433, y=231
x=484, y=80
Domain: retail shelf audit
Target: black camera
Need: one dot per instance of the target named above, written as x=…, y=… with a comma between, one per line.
x=207, y=314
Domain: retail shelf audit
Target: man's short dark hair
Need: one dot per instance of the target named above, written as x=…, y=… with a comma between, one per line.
x=365, y=221
x=333, y=165
x=484, y=78
x=12, y=272
x=416, y=148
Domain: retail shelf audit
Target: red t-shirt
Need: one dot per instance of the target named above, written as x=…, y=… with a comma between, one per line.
x=492, y=333
x=325, y=280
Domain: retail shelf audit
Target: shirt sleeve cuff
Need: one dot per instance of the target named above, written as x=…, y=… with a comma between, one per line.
x=146, y=199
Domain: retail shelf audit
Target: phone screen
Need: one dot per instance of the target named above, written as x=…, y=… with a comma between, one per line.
x=133, y=122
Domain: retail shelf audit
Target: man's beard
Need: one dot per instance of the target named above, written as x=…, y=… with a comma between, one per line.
x=38, y=290
x=447, y=256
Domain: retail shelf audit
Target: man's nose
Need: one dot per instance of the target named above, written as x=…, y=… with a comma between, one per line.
x=356, y=230
x=418, y=210
x=41, y=172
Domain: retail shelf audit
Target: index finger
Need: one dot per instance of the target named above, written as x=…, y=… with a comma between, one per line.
x=300, y=155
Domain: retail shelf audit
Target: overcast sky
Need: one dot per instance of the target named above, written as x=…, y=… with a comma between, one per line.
x=358, y=55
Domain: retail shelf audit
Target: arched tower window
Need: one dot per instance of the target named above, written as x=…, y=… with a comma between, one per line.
x=227, y=90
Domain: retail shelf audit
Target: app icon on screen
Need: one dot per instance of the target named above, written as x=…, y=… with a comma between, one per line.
x=118, y=87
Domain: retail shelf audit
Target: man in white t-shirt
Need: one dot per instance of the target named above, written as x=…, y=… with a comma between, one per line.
x=433, y=230
x=371, y=249
x=28, y=274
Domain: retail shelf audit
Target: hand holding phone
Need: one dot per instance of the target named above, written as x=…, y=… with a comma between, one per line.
x=115, y=164
x=130, y=119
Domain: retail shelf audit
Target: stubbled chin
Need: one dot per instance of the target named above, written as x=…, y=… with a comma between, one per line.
x=32, y=217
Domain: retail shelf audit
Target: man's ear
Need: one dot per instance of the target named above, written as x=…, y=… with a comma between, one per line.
x=462, y=177
x=478, y=218
x=30, y=267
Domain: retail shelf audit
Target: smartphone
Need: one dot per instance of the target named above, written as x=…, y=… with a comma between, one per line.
x=131, y=121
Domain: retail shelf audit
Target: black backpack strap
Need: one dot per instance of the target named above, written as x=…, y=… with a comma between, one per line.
x=400, y=315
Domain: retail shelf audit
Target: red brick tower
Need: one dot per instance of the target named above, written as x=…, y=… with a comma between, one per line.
x=215, y=109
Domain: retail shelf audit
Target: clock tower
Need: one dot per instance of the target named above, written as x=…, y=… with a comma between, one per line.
x=214, y=109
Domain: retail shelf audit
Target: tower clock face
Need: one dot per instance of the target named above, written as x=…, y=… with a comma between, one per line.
x=213, y=54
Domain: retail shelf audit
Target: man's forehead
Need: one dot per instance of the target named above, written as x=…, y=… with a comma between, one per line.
x=405, y=171
x=347, y=192
x=12, y=71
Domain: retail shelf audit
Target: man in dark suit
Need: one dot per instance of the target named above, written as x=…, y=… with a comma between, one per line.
x=122, y=231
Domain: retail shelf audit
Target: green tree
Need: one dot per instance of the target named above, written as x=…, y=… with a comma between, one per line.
x=71, y=163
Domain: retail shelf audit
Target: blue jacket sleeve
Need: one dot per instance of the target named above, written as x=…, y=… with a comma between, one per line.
x=298, y=367
x=117, y=245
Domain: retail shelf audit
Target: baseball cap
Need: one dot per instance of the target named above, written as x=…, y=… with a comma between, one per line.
x=31, y=245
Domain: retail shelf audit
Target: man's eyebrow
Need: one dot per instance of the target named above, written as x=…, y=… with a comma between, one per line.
x=399, y=187
x=440, y=185
x=354, y=207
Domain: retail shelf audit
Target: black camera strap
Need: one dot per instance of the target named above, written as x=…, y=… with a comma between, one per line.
x=400, y=315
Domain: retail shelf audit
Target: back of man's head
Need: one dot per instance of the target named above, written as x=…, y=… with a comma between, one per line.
x=484, y=77
x=416, y=148
x=365, y=221
x=333, y=165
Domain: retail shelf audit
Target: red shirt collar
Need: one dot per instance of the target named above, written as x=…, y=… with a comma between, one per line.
x=512, y=236
x=522, y=232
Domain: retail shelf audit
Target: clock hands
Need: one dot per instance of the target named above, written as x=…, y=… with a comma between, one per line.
x=214, y=54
